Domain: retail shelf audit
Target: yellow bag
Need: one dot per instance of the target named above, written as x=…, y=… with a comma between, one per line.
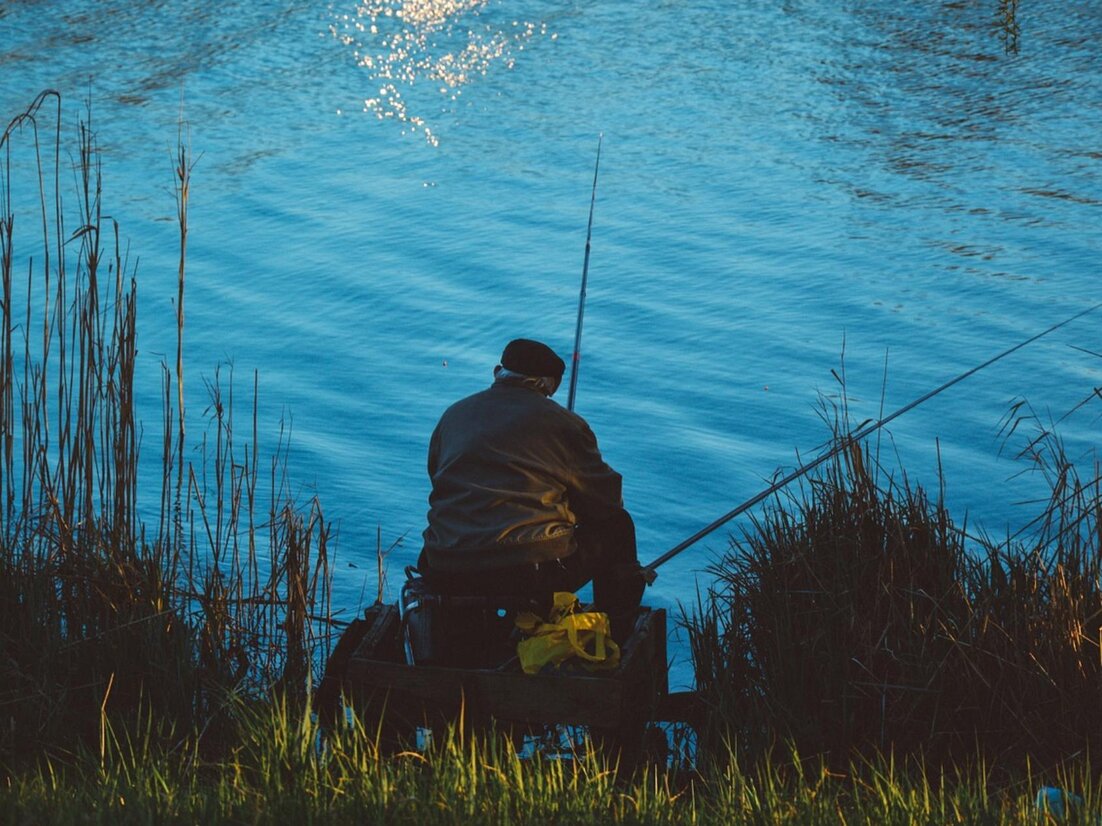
x=566, y=635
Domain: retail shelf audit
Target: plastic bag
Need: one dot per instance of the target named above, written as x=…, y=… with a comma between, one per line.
x=567, y=634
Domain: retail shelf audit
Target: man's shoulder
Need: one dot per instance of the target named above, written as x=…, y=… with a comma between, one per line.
x=518, y=398
x=475, y=398
x=460, y=408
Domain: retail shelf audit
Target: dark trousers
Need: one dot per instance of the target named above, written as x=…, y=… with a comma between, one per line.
x=605, y=553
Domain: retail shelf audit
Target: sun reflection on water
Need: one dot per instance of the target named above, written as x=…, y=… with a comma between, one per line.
x=446, y=43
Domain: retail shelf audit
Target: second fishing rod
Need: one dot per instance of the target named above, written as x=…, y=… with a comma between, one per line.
x=845, y=443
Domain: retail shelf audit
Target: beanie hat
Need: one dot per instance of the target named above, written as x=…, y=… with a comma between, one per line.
x=532, y=358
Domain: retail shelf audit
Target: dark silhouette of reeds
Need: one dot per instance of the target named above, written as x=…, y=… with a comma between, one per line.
x=98, y=615
x=854, y=618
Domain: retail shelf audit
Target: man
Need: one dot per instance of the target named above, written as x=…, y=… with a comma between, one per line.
x=522, y=503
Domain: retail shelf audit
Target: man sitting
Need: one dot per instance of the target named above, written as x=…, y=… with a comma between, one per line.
x=522, y=504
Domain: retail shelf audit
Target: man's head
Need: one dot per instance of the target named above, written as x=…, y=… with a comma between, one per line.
x=533, y=358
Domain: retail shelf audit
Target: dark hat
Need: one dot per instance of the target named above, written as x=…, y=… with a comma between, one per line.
x=532, y=358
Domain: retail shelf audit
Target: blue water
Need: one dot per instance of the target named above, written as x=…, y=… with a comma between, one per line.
x=375, y=213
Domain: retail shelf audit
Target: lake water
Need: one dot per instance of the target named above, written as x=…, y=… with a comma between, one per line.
x=387, y=192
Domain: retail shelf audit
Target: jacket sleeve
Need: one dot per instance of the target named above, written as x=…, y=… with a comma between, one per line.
x=594, y=490
x=434, y=451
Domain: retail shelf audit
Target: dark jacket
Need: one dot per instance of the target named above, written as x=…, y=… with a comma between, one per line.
x=512, y=474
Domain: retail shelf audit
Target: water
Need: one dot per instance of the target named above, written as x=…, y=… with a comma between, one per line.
x=375, y=213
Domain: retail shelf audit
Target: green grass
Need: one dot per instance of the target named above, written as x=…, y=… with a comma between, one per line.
x=279, y=771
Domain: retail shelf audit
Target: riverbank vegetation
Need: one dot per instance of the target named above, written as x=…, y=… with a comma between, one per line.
x=855, y=617
x=860, y=658
x=166, y=603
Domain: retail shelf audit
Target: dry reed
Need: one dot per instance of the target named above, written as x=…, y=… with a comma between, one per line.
x=98, y=615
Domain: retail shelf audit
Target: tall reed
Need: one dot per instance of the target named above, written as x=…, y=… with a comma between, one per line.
x=98, y=613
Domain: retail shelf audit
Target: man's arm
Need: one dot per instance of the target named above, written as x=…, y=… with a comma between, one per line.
x=594, y=489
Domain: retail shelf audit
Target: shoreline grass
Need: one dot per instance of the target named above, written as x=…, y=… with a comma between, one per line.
x=98, y=611
x=858, y=660
x=277, y=774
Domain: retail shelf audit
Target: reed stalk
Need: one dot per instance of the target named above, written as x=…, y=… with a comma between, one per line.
x=100, y=618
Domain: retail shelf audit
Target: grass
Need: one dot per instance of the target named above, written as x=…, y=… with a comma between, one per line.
x=854, y=617
x=860, y=658
x=276, y=773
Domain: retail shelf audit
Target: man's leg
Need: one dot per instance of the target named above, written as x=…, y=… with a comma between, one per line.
x=606, y=550
x=606, y=554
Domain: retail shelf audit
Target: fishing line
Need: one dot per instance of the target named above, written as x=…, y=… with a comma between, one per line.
x=844, y=444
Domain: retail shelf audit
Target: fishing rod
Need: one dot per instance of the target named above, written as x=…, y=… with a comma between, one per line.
x=585, y=277
x=649, y=571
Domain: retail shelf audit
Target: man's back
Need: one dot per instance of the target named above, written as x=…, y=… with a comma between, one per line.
x=512, y=473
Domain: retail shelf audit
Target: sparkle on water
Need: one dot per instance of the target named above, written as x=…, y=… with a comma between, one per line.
x=441, y=42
